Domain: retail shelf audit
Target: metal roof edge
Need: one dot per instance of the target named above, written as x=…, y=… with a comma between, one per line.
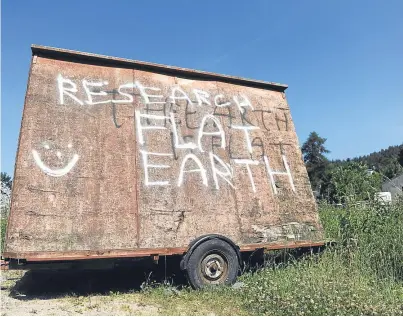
x=78, y=56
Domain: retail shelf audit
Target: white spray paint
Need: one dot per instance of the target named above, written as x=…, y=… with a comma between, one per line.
x=245, y=103
x=153, y=95
x=54, y=172
x=87, y=87
x=183, y=97
x=63, y=90
x=189, y=145
x=271, y=173
x=219, y=133
x=140, y=127
x=202, y=96
x=146, y=96
x=216, y=172
x=200, y=170
x=247, y=163
x=246, y=128
x=129, y=97
x=147, y=166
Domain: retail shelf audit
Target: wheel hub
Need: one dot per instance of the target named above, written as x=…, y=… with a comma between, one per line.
x=213, y=267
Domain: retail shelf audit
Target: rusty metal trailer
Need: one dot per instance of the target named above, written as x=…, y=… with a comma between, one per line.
x=119, y=158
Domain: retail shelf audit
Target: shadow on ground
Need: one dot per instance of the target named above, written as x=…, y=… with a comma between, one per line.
x=129, y=277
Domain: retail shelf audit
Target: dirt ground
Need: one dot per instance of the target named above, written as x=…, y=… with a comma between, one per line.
x=123, y=290
x=77, y=292
x=20, y=299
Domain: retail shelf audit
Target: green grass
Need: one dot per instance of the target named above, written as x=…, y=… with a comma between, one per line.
x=361, y=275
x=188, y=302
x=320, y=286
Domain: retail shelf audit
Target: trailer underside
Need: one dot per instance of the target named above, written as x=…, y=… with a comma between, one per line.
x=137, y=253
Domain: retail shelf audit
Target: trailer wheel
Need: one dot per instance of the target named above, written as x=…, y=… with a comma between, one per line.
x=214, y=262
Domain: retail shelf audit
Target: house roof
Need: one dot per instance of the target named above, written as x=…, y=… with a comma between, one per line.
x=397, y=179
x=104, y=60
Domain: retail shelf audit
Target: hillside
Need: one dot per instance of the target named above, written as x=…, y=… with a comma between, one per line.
x=385, y=161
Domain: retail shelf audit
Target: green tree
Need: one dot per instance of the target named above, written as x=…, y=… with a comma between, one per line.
x=400, y=157
x=353, y=181
x=6, y=180
x=313, y=151
x=391, y=170
x=6, y=183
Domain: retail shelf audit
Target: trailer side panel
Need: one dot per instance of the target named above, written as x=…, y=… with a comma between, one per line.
x=122, y=157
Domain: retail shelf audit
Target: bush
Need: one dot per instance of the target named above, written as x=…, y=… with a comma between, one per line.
x=5, y=211
x=370, y=235
x=3, y=232
x=361, y=274
x=319, y=286
x=350, y=182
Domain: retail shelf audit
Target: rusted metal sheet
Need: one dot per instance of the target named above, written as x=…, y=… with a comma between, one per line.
x=140, y=252
x=88, y=254
x=125, y=155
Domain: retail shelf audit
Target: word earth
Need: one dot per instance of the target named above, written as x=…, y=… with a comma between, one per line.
x=210, y=127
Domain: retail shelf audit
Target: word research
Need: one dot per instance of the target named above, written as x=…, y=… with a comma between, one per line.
x=192, y=153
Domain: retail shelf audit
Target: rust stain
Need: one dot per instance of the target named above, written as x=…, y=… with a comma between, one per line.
x=154, y=253
x=89, y=254
x=116, y=154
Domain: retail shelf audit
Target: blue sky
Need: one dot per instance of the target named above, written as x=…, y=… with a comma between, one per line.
x=342, y=60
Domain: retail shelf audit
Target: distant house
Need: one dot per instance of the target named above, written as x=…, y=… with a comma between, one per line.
x=394, y=186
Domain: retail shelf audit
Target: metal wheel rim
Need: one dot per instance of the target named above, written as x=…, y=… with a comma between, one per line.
x=214, y=268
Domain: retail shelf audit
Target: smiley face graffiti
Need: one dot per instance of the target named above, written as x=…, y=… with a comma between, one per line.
x=63, y=161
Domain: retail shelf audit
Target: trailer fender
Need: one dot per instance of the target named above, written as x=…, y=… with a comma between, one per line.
x=196, y=242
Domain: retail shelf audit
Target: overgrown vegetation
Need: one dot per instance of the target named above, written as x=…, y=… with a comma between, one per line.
x=388, y=162
x=3, y=227
x=383, y=165
x=350, y=182
x=6, y=184
x=362, y=274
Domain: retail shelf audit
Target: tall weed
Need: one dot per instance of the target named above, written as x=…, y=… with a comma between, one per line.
x=361, y=274
x=369, y=235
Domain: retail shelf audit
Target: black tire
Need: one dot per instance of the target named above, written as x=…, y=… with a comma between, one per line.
x=214, y=262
